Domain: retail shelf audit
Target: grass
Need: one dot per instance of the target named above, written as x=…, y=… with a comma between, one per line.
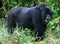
x=20, y=37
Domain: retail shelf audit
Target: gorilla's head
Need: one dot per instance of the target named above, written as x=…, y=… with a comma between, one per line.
x=46, y=13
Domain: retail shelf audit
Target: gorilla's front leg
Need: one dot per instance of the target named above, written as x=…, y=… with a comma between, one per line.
x=39, y=26
x=39, y=33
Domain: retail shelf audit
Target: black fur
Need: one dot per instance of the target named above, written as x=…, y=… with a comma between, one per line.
x=33, y=18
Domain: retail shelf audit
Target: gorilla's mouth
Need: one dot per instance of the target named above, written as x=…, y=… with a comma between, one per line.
x=46, y=20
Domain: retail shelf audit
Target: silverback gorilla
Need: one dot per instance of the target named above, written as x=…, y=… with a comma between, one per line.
x=35, y=18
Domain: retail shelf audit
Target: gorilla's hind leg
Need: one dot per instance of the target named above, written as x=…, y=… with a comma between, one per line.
x=11, y=25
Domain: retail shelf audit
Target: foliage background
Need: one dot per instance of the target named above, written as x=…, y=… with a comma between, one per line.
x=52, y=35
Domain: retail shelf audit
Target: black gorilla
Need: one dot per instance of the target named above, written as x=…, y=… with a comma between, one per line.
x=35, y=18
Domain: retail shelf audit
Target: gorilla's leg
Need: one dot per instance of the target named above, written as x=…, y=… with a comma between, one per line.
x=11, y=25
x=39, y=27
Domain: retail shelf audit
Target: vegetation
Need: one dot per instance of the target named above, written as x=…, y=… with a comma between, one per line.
x=52, y=35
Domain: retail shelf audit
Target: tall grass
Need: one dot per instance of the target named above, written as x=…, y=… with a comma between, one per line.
x=52, y=35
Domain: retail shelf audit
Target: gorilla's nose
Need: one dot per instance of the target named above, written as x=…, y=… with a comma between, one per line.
x=48, y=17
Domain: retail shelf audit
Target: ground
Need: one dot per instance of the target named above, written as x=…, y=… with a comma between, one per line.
x=20, y=37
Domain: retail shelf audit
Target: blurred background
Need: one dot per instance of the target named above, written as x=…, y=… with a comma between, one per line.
x=52, y=35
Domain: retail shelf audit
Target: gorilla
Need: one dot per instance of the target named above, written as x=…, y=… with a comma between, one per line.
x=35, y=18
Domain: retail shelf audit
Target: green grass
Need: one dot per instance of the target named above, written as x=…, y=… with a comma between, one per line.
x=52, y=35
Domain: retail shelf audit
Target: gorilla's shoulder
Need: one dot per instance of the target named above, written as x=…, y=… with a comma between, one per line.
x=41, y=6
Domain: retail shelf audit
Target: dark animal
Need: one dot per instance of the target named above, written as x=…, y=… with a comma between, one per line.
x=35, y=18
